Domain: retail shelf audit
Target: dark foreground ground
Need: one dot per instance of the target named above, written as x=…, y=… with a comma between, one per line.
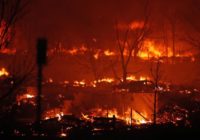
x=132, y=134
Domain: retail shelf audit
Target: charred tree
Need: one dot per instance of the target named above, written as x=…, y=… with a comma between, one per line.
x=129, y=40
x=10, y=13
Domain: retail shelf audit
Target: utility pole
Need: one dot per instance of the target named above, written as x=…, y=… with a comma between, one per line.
x=41, y=61
x=131, y=119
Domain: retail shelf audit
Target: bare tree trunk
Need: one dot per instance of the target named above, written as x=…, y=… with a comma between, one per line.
x=156, y=76
x=124, y=75
x=173, y=40
x=155, y=105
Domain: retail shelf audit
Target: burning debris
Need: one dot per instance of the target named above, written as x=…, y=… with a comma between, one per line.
x=149, y=50
x=4, y=72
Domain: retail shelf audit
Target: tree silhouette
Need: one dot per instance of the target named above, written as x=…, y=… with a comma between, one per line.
x=156, y=74
x=10, y=12
x=129, y=43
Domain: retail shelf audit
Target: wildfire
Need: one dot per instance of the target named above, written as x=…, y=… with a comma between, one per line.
x=79, y=83
x=84, y=83
x=96, y=55
x=28, y=96
x=109, y=80
x=53, y=113
x=149, y=50
x=131, y=117
x=134, y=78
x=136, y=25
x=4, y=72
x=73, y=51
x=108, y=53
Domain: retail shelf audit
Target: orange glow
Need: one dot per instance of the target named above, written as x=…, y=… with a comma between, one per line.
x=131, y=78
x=132, y=26
x=135, y=119
x=85, y=117
x=50, y=80
x=94, y=83
x=73, y=51
x=108, y=53
x=83, y=48
x=136, y=25
x=25, y=97
x=53, y=113
x=109, y=80
x=96, y=56
x=4, y=72
x=149, y=50
x=140, y=78
x=79, y=83
x=8, y=51
x=29, y=94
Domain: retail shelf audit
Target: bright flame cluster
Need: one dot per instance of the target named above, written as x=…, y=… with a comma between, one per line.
x=28, y=96
x=130, y=116
x=140, y=78
x=53, y=113
x=83, y=83
x=4, y=72
x=149, y=49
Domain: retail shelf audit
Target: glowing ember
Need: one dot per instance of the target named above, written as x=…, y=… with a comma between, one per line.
x=29, y=96
x=79, y=83
x=94, y=83
x=73, y=51
x=140, y=78
x=131, y=117
x=83, y=48
x=131, y=78
x=96, y=56
x=109, y=80
x=108, y=53
x=63, y=135
x=50, y=80
x=85, y=117
x=53, y=113
x=4, y=72
x=137, y=25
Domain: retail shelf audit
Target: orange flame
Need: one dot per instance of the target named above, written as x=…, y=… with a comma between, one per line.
x=129, y=117
x=4, y=72
x=136, y=25
x=8, y=51
x=108, y=53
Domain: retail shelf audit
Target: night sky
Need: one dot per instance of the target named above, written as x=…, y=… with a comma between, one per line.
x=77, y=21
